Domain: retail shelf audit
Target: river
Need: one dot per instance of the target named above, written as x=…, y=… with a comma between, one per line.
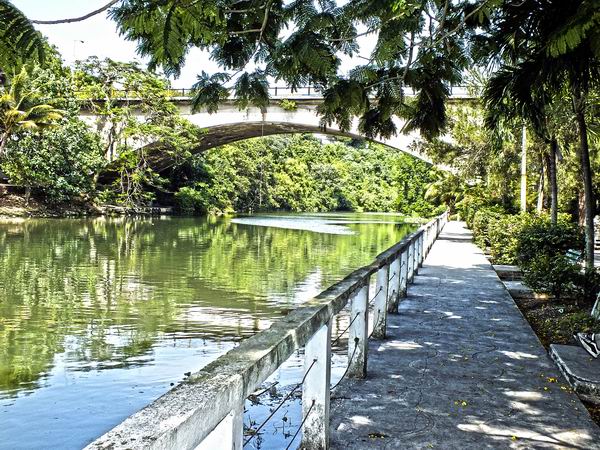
x=100, y=316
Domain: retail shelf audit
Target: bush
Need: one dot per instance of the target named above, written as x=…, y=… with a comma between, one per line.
x=503, y=235
x=481, y=223
x=541, y=253
x=190, y=201
x=555, y=275
x=541, y=237
x=59, y=163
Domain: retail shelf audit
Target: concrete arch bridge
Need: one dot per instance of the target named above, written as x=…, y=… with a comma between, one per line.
x=230, y=124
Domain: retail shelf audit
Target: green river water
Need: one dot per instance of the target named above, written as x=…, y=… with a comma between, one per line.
x=100, y=316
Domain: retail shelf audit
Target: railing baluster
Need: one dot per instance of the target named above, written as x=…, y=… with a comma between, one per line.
x=404, y=273
x=381, y=302
x=420, y=251
x=392, y=294
x=229, y=433
x=358, y=334
x=411, y=261
x=316, y=389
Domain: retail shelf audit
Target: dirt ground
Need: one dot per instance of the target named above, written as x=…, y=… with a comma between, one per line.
x=555, y=322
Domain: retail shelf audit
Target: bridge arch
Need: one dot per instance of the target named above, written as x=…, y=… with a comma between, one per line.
x=230, y=124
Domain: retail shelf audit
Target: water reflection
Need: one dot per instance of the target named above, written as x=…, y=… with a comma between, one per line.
x=100, y=316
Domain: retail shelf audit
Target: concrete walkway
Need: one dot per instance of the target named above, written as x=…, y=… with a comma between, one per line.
x=461, y=369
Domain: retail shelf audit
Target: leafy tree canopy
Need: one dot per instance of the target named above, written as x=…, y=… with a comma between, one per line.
x=302, y=42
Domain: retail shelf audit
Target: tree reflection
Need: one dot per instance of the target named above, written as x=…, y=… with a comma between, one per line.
x=105, y=291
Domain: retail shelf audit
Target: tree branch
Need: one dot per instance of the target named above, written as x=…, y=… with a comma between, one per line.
x=77, y=19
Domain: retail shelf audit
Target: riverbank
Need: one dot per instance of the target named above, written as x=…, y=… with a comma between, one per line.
x=15, y=205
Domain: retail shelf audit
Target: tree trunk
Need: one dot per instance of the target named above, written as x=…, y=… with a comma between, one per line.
x=540, y=200
x=27, y=195
x=3, y=142
x=586, y=171
x=552, y=180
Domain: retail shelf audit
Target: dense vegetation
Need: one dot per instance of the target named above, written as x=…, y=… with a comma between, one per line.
x=102, y=164
x=300, y=173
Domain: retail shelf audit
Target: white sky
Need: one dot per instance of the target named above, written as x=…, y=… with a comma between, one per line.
x=98, y=36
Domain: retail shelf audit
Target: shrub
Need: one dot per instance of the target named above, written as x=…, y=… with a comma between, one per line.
x=555, y=275
x=481, y=222
x=503, y=237
x=541, y=253
x=190, y=201
x=540, y=237
x=59, y=163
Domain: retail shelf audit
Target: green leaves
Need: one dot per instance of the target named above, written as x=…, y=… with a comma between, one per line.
x=20, y=42
x=342, y=101
x=22, y=108
x=209, y=92
x=252, y=89
x=584, y=24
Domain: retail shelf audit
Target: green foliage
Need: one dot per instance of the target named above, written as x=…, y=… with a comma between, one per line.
x=541, y=252
x=428, y=55
x=551, y=275
x=299, y=173
x=540, y=237
x=503, y=237
x=22, y=109
x=59, y=163
x=190, y=201
x=481, y=224
x=20, y=42
x=288, y=105
x=136, y=172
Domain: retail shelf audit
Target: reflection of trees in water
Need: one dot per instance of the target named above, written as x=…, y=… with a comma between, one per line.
x=113, y=286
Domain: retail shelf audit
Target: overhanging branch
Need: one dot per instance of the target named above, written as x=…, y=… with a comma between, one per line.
x=77, y=19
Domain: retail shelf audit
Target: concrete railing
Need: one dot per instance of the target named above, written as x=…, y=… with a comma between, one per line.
x=211, y=401
x=275, y=93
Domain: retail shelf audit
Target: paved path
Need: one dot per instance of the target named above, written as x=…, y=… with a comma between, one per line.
x=461, y=369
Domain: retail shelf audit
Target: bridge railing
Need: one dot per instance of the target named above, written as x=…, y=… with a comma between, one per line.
x=276, y=92
x=210, y=403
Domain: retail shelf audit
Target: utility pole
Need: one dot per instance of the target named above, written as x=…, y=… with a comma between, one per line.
x=524, y=171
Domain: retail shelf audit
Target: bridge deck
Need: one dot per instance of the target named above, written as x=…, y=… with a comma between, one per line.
x=461, y=368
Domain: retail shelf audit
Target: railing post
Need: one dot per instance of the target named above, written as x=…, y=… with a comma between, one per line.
x=229, y=433
x=420, y=250
x=381, y=302
x=403, y=273
x=316, y=389
x=411, y=261
x=358, y=334
x=392, y=293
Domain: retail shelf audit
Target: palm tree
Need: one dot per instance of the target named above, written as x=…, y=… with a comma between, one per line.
x=22, y=109
x=513, y=93
x=448, y=190
x=559, y=39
